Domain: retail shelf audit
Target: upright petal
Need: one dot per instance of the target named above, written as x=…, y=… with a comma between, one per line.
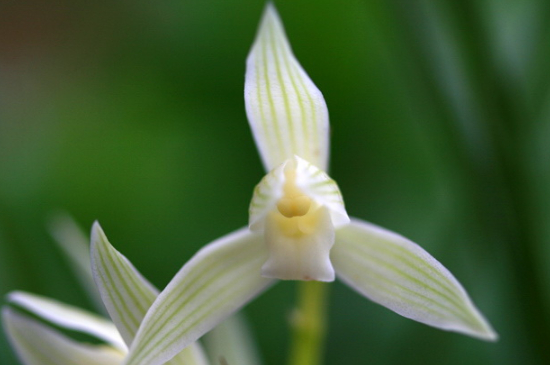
x=398, y=274
x=68, y=317
x=127, y=295
x=37, y=344
x=216, y=282
x=287, y=113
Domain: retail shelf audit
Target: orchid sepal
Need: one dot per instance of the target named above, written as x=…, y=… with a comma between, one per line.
x=398, y=274
x=286, y=111
x=221, y=278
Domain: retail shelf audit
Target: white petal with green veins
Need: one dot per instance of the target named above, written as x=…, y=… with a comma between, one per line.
x=216, y=282
x=313, y=183
x=68, y=317
x=128, y=295
x=398, y=274
x=287, y=113
x=316, y=184
x=265, y=197
x=37, y=344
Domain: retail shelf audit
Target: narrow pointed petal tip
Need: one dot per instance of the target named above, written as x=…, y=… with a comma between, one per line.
x=128, y=295
x=36, y=344
x=286, y=111
x=67, y=316
x=221, y=278
x=125, y=292
x=398, y=274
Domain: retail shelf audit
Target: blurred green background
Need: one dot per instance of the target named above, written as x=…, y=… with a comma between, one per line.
x=132, y=113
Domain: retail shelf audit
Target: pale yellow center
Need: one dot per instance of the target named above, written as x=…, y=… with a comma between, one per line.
x=297, y=214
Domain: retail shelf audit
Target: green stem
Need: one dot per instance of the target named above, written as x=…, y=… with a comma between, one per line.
x=308, y=324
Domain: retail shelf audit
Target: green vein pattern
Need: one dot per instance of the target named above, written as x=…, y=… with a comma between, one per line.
x=286, y=111
x=400, y=275
x=128, y=295
x=217, y=281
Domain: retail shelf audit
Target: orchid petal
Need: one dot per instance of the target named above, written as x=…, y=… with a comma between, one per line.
x=312, y=181
x=37, y=344
x=76, y=247
x=316, y=184
x=299, y=256
x=216, y=282
x=69, y=317
x=232, y=341
x=128, y=295
x=287, y=113
x=398, y=274
x=265, y=197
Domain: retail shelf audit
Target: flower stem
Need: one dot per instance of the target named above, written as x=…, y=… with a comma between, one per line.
x=308, y=324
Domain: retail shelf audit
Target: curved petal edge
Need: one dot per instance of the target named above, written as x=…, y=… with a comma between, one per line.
x=286, y=111
x=400, y=275
x=221, y=278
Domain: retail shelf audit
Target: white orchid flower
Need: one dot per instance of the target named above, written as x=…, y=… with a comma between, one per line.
x=126, y=294
x=299, y=228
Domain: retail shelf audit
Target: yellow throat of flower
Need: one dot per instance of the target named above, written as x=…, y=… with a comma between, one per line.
x=296, y=214
x=298, y=234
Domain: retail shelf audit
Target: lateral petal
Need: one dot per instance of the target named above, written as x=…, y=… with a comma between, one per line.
x=287, y=113
x=398, y=274
x=315, y=183
x=69, y=317
x=37, y=344
x=265, y=197
x=216, y=282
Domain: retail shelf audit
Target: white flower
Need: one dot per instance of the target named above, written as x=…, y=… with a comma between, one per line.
x=126, y=295
x=298, y=227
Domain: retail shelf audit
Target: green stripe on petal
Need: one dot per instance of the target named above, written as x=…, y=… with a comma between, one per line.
x=398, y=274
x=316, y=184
x=67, y=316
x=287, y=113
x=127, y=295
x=265, y=197
x=216, y=282
x=312, y=181
x=37, y=344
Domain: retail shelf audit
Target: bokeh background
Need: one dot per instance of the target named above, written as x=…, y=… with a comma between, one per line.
x=132, y=113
